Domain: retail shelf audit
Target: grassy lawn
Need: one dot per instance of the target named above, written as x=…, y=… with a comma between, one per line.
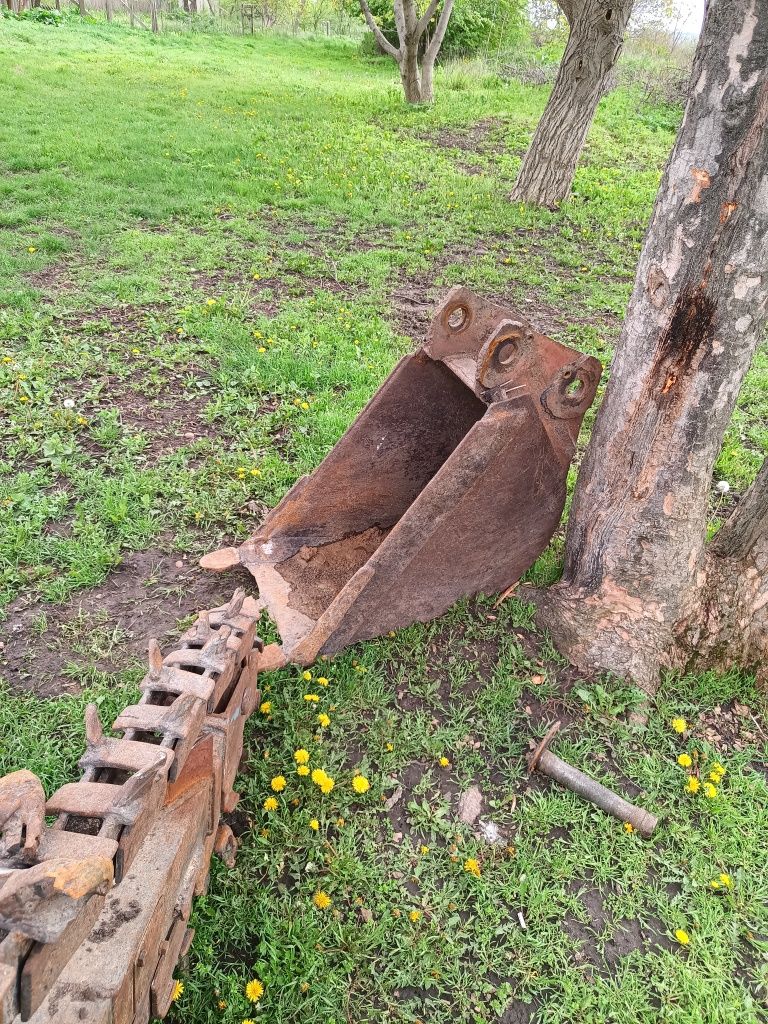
x=212, y=251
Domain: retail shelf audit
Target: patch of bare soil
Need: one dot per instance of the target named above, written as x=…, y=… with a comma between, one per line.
x=168, y=420
x=413, y=299
x=485, y=136
x=626, y=935
x=53, y=280
x=731, y=726
x=107, y=627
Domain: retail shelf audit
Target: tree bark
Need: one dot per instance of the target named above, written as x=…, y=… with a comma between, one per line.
x=637, y=566
x=416, y=73
x=731, y=624
x=594, y=44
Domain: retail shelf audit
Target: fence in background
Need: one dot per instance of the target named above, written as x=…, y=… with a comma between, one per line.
x=234, y=17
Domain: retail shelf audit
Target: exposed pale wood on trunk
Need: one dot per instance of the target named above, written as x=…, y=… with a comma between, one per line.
x=636, y=561
x=594, y=44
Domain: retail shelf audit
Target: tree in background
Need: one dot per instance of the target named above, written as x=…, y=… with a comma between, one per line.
x=594, y=44
x=475, y=26
x=418, y=43
x=641, y=587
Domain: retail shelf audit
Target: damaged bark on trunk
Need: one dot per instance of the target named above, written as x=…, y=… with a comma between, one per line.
x=416, y=69
x=641, y=589
x=594, y=44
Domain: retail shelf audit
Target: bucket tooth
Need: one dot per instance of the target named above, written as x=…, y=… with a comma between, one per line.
x=22, y=814
x=449, y=483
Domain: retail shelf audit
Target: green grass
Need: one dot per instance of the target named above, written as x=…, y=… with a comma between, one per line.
x=201, y=240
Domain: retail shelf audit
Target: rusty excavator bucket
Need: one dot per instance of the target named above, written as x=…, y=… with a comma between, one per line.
x=449, y=483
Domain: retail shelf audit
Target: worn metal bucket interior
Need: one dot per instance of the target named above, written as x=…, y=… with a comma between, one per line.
x=449, y=483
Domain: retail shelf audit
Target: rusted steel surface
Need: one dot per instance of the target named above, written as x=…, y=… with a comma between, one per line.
x=543, y=760
x=450, y=483
x=94, y=907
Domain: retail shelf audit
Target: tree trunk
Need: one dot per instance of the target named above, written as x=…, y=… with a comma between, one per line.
x=410, y=76
x=594, y=44
x=81, y=6
x=731, y=624
x=416, y=71
x=108, y=9
x=637, y=568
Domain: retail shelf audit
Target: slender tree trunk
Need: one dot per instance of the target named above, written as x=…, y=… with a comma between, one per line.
x=153, y=13
x=594, y=44
x=416, y=70
x=637, y=564
x=81, y=6
x=410, y=76
x=108, y=9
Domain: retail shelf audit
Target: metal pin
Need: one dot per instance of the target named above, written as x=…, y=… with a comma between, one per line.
x=543, y=760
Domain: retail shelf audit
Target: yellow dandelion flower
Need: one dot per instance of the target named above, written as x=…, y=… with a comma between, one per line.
x=682, y=936
x=314, y=825
x=710, y=791
x=210, y=302
x=261, y=350
x=311, y=697
x=178, y=990
x=322, y=680
x=306, y=676
x=254, y=990
x=714, y=884
x=360, y=784
x=472, y=867
x=424, y=850
x=684, y=760
x=415, y=915
x=305, y=405
x=327, y=785
x=265, y=707
x=302, y=769
x=718, y=768
x=629, y=827
x=679, y=725
x=248, y=1020
x=318, y=776
x=726, y=880
x=278, y=783
x=390, y=747
x=444, y=762
x=270, y=804
x=31, y=248
x=693, y=785
x=324, y=720
x=322, y=900
x=301, y=756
